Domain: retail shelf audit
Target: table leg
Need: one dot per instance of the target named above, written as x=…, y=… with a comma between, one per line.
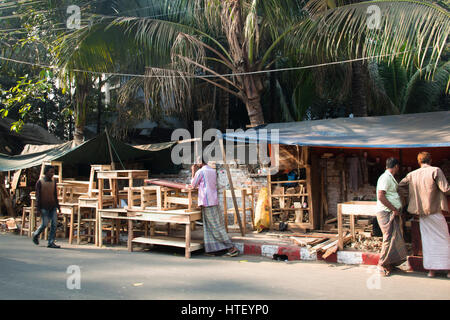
x=71, y=225
x=118, y=232
x=158, y=198
x=65, y=224
x=339, y=221
x=188, y=241
x=130, y=235
x=100, y=230
x=79, y=225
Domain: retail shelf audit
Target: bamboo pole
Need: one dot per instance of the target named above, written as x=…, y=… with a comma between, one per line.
x=233, y=195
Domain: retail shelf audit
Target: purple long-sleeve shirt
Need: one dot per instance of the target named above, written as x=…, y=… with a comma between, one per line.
x=206, y=181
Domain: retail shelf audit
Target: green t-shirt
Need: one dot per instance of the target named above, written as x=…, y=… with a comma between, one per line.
x=387, y=182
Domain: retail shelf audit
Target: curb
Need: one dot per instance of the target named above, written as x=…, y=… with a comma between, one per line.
x=301, y=253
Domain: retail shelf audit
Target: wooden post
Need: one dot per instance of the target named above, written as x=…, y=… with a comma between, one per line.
x=269, y=191
x=244, y=209
x=339, y=220
x=79, y=225
x=225, y=209
x=230, y=180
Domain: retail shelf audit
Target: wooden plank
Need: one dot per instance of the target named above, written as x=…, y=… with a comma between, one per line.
x=320, y=246
x=178, y=200
x=305, y=241
x=169, y=241
x=288, y=181
x=369, y=208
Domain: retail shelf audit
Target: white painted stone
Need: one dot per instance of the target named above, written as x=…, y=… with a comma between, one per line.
x=306, y=255
x=269, y=250
x=349, y=257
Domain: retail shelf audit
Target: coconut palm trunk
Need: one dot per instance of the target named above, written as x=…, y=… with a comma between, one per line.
x=81, y=94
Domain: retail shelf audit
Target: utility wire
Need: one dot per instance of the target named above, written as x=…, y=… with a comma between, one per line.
x=208, y=76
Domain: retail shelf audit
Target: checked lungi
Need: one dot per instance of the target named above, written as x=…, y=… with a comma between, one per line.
x=393, y=250
x=216, y=237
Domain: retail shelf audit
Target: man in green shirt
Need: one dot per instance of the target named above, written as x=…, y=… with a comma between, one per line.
x=393, y=251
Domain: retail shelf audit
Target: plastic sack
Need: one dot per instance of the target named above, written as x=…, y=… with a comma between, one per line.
x=262, y=218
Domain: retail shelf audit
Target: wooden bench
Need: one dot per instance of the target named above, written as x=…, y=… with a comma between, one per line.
x=352, y=209
x=179, y=216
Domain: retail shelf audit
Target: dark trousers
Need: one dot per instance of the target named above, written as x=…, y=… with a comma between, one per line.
x=48, y=215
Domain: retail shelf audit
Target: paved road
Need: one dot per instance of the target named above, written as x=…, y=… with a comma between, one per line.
x=30, y=272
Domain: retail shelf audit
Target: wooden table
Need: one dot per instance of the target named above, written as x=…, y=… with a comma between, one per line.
x=114, y=176
x=353, y=208
x=172, y=216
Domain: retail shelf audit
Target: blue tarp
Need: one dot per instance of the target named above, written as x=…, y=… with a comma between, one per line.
x=417, y=130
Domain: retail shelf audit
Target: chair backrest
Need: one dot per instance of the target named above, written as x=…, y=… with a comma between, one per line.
x=57, y=165
x=94, y=169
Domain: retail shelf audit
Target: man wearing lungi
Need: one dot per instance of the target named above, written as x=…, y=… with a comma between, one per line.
x=427, y=187
x=216, y=237
x=393, y=250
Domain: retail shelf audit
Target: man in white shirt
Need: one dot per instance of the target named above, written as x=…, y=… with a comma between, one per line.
x=393, y=251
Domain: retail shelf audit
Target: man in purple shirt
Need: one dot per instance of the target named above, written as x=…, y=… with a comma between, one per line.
x=215, y=236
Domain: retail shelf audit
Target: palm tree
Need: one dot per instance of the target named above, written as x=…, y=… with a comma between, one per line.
x=182, y=42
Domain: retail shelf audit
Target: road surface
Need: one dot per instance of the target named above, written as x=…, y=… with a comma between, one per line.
x=37, y=272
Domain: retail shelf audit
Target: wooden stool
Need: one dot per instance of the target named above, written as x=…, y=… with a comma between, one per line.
x=68, y=211
x=87, y=220
x=26, y=215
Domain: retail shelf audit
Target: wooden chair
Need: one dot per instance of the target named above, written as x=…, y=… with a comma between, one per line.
x=88, y=206
x=245, y=194
x=57, y=165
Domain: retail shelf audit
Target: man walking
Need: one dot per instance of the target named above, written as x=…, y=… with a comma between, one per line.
x=393, y=250
x=216, y=237
x=47, y=204
x=427, y=187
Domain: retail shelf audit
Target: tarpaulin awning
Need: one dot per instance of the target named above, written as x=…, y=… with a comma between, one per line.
x=94, y=151
x=430, y=129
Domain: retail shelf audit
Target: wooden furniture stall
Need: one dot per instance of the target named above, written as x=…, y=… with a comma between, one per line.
x=244, y=194
x=305, y=194
x=179, y=216
x=114, y=176
x=352, y=209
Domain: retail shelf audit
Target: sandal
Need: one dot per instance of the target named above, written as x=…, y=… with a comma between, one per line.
x=384, y=271
x=233, y=253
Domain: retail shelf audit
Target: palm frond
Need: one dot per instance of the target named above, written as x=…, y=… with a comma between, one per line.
x=405, y=28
